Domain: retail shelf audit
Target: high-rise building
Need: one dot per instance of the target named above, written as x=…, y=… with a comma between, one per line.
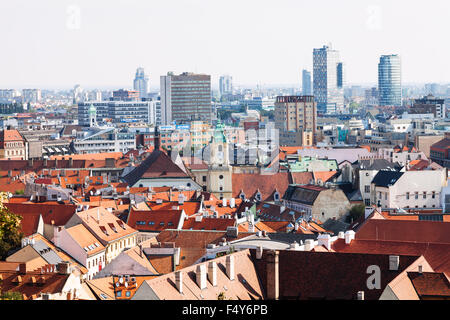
x=141, y=83
x=296, y=120
x=306, y=83
x=31, y=95
x=225, y=85
x=185, y=97
x=328, y=80
x=389, y=80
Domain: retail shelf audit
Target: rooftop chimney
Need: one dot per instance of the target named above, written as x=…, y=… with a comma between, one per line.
x=309, y=244
x=63, y=268
x=157, y=138
x=230, y=266
x=349, y=236
x=179, y=281
x=212, y=273
x=259, y=252
x=394, y=262
x=324, y=240
x=232, y=232
x=200, y=276
x=23, y=268
x=272, y=275
x=360, y=295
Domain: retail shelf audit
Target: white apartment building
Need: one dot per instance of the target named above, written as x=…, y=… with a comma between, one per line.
x=410, y=189
x=106, y=140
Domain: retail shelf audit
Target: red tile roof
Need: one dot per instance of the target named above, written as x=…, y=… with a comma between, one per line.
x=208, y=224
x=329, y=275
x=437, y=254
x=430, y=284
x=153, y=221
x=265, y=183
x=401, y=230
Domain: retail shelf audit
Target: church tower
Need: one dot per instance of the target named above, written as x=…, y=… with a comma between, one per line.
x=92, y=116
x=219, y=169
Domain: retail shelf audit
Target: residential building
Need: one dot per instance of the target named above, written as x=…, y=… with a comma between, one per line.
x=32, y=96
x=13, y=145
x=409, y=189
x=111, y=232
x=225, y=85
x=439, y=152
x=328, y=80
x=296, y=116
x=429, y=104
x=389, y=80
x=83, y=246
x=104, y=140
x=317, y=202
x=185, y=97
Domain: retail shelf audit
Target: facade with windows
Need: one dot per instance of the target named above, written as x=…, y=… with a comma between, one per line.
x=106, y=140
x=389, y=80
x=328, y=80
x=185, y=97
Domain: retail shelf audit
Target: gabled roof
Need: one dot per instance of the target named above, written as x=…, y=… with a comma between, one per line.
x=378, y=164
x=306, y=194
x=266, y=183
x=156, y=165
x=85, y=239
x=59, y=214
x=157, y=220
x=386, y=178
x=105, y=226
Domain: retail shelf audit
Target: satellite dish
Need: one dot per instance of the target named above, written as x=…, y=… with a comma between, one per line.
x=117, y=284
x=126, y=284
x=121, y=280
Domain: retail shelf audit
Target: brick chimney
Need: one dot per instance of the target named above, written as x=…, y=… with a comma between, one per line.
x=63, y=268
x=23, y=268
x=272, y=275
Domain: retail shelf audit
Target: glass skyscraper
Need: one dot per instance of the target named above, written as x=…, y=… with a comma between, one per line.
x=141, y=83
x=389, y=80
x=328, y=80
x=306, y=83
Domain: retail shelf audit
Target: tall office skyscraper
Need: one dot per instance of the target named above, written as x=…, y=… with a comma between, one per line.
x=141, y=83
x=185, y=97
x=389, y=80
x=225, y=84
x=328, y=80
x=306, y=83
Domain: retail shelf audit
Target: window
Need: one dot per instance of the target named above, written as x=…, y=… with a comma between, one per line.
x=367, y=189
x=424, y=194
x=416, y=195
x=407, y=196
x=221, y=177
x=204, y=178
x=119, y=293
x=433, y=195
x=367, y=202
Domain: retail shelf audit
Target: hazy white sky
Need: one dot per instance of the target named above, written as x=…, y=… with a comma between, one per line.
x=100, y=43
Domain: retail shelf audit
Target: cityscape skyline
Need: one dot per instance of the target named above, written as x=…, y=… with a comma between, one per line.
x=72, y=45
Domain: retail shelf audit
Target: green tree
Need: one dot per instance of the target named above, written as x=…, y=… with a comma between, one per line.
x=10, y=229
x=355, y=213
x=10, y=295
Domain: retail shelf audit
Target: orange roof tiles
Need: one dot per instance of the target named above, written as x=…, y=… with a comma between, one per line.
x=91, y=156
x=208, y=223
x=154, y=220
x=84, y=238
x=324, y=175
